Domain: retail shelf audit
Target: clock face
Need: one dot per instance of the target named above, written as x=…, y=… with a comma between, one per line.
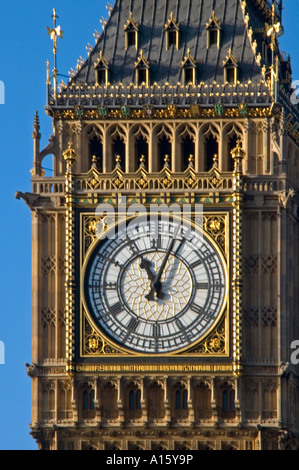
x=157, y=287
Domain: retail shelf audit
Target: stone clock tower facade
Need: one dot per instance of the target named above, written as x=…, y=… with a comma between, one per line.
x=165, y=244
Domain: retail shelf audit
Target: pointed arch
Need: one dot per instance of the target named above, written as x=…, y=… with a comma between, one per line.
x=230, y=134
x=162, y=145
x=116, y=146
x=92, y=148
x=209, y=138
x=186, y=138
x=139, y=139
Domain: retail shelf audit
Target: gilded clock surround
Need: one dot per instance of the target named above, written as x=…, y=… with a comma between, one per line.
x=215, y=341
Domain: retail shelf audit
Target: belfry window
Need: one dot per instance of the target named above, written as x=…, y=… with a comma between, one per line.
x=118, y=150
x=96, y=152
x=188, y=149
x=211, y=151
x=164, y=149
x=141, y=152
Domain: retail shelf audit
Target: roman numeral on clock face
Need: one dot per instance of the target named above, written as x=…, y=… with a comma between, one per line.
x=156, y=242
x=110, y=285
x=116, y=308
x=196, y=263
x=156, y=330
x=202, y=285
x=197, y=309
x=133, y=324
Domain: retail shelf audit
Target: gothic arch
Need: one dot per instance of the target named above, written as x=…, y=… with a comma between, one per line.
x=163, y=138
x=139, y=140
x=92, y=145
x=231, y=133
x=209, y=138
x=186, y=139
x=116, y=136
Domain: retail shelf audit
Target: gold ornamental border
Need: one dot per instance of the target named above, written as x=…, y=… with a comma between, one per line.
x=169, y=112
x=214, y=343
x=156, y=367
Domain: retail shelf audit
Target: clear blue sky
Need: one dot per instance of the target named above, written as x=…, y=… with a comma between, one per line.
x=24, y=49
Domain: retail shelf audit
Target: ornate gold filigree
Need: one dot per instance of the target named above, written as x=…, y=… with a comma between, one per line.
x=93, y=343
x=214, y=344
x=215, y=226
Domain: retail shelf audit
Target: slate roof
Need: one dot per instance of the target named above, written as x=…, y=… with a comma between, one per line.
x=166, y=81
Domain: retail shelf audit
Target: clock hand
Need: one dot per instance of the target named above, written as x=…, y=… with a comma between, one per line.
x=156, y=284
x=146, y=264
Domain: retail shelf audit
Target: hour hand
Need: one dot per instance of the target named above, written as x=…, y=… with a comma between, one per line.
x=155, y=293
x=146, y=264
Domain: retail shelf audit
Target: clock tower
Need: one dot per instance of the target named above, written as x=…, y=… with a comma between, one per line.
x=165, y=244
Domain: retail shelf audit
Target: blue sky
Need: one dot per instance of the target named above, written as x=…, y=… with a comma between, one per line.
x=24, y=49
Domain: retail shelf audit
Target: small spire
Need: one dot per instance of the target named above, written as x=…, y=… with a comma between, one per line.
x=55, y=33
x=36, y=126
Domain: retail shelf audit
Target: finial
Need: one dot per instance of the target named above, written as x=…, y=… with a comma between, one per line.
x=166, y=161
x=238, y=154
x=191, y=161
x=215, y=161
x=142, y=161
x=36, y=126
x=94, y=161
x=117, y=161
x=54, y=33
x=70, y=155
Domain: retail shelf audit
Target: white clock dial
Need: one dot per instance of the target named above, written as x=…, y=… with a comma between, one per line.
x=155, y=289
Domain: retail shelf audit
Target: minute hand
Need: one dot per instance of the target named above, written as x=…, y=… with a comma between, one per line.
x=156, y=284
